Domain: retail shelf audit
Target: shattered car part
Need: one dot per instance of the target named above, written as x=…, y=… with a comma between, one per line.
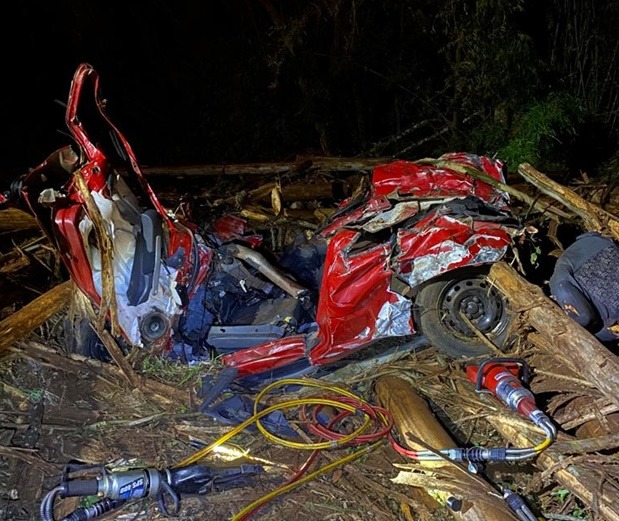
x=353, y=282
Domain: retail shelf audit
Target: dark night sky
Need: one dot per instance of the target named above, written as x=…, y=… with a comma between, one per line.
x=195, y=81
x=156, y=67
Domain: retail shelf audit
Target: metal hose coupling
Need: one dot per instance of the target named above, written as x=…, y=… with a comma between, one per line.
x=478, y=454
x=540, y=419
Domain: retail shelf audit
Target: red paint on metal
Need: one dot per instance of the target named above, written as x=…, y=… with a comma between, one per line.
x=70, y=244
x=268, y=356
x=354, y=288
x=369, y=207
x=355, y=293
x=231, y=227
x=407, y=178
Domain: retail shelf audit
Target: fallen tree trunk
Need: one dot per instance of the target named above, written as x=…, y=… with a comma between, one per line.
x=594, y=218
x=34, y=314
x=414, y=420
x=578, y=348
x=163, y=394
x=327, y=164
x=13, y=219
x=289, y=193
x=533, y=202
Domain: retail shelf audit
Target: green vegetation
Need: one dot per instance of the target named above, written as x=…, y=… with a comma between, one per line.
x=172, y=373
x=563, y=496
x=544, y=131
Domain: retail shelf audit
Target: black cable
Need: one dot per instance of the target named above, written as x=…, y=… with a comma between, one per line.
x=47, y=505
x=97, y=509
x=161, y=502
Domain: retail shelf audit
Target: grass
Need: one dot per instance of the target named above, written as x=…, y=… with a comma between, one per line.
x=172, y=373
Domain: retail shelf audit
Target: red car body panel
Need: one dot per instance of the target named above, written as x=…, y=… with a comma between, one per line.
x=407, y=227
x=268, y=356
x=406, y=178
x=357, y=304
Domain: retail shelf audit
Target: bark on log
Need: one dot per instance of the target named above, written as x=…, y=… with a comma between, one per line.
x=594, y=218
x=578, y=348
x=13, y=219
x=34, y=314
x=582, y=482
x=108, y=307
x=327, y=164
x=20, y=257
x=413, y=418
x=289, y=193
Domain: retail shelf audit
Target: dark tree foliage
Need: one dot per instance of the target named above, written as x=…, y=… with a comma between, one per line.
x=243, y=80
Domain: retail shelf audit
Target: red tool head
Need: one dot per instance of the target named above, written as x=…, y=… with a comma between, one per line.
x=500, y=376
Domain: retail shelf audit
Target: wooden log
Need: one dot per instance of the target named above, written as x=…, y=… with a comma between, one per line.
x=578, y=348
x=14, y=219
x=301, y=164
x=541, y=206
x=414, y=420
x=582, y=482
x=22, y=256
x=108, y=307
x=594, y=218
x=159, y=392
x=34, y=314
x=310, y=191
x=289, y=193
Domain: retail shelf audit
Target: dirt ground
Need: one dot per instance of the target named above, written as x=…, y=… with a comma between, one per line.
x=54, y=413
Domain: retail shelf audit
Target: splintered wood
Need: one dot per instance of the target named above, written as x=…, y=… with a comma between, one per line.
x=580, y=374
x=416, y=423
x=34, y=314
x=578, y=348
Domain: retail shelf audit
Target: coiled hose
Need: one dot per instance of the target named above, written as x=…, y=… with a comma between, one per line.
x=376, y=427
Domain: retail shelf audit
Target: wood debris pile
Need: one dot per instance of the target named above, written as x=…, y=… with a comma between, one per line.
x=575, y=377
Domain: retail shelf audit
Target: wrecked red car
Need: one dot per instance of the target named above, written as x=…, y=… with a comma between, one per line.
x=407, y=258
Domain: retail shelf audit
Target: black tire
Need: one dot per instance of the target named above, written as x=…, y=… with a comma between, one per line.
x=84, y=341
x=437, y=311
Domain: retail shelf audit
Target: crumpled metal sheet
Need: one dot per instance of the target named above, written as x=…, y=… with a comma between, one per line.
x=446, y=245
x=418, y=220
x=407, y=178
x=354, y=293
x=399, y=213
x=268, y=356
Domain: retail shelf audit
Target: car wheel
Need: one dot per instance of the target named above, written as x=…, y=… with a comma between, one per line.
x=84, y=341
x=441, y=302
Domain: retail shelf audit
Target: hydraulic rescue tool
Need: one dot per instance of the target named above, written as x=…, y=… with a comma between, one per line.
x=371, y=426
x=500, y=377
x=166, y=486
